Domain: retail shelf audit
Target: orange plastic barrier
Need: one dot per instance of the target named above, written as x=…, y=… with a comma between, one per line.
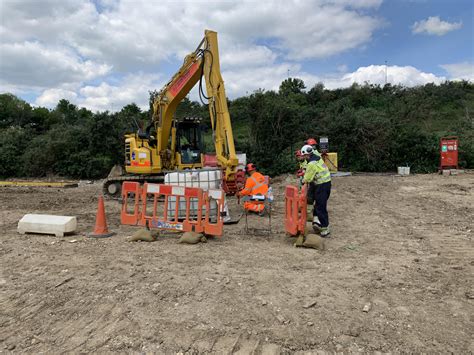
x=162, y=215
x=295, y=212
x=214, y=226
x=172, y=208
x=130, y=190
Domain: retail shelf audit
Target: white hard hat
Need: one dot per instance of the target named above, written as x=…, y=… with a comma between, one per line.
x=307, y=149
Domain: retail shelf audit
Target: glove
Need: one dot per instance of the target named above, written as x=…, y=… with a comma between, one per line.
x=300, y=173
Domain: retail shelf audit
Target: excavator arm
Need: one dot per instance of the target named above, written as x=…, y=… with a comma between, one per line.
x=203, y=62
x=219, y=113
x=168, y=99
x=148, y=157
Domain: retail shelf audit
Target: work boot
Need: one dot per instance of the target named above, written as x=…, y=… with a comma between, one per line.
x=316, y=224
x=324, y=232
x=316, y=221
x=316, y=228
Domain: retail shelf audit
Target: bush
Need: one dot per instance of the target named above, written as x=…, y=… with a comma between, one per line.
x=372, y=128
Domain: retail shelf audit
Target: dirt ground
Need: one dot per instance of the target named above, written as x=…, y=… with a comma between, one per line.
x=400, y=246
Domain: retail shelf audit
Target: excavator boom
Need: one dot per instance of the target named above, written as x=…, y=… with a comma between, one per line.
x=147, y=155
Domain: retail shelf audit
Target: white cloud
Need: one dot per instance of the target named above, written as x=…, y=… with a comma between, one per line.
x=372, y=74
x=375, y=74
x=435, y=26
x=109, y=53
x=105, y=96
x=134, y=88
x=244, y=81
x=244, y=56
x=46, y=21
x=358, y=3
x=460, y=71
x=30, y=64
x=269, y=78
x=136, y=35
x=50, y=97
x=52, y=47
x=299, y=29
x=325, y=32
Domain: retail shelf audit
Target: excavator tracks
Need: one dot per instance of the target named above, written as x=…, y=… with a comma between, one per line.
x=112, y=186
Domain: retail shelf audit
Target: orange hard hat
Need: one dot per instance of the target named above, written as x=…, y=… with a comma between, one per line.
x=311, y=141
x=250, y=167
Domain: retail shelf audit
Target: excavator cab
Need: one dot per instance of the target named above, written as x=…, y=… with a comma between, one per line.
x=189, y=143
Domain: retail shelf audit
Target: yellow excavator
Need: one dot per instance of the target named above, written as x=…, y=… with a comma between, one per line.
x=169, y=144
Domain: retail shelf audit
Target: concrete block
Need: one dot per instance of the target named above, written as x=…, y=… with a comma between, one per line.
x=47, y=224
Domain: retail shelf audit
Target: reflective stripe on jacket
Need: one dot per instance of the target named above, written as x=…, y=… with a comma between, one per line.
x=255, y=184
x=317, y=172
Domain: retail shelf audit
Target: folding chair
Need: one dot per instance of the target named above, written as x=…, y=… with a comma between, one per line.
x=267, y=212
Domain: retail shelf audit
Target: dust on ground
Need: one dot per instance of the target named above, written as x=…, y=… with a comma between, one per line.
x=396, y=276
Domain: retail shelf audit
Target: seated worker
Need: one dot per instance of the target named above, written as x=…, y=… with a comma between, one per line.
x=254, y=185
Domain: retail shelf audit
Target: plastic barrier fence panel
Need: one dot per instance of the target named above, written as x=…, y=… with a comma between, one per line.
x=165, y=215
x=173, y=208
x=295, y=210
x=131, y=192
x=214, y=224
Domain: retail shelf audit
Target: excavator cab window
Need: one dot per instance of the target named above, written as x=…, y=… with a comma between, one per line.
x=189, y=140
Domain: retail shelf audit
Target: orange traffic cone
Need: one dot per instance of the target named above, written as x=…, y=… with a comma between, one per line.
x=100, y=230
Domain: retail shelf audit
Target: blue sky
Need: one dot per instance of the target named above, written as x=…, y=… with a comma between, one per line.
x=103, y=54
x=395, y=43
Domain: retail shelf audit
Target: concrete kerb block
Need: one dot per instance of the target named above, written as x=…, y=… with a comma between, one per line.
x=47, y=224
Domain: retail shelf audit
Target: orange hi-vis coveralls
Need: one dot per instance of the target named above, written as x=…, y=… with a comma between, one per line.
x=255, y=185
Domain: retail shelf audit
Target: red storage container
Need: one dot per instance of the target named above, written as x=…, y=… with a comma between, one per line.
x=448, y=151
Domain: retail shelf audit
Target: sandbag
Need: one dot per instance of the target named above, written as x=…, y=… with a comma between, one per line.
x=192, y=238
x=314, y=241
x=144, y=235
x=299, y=241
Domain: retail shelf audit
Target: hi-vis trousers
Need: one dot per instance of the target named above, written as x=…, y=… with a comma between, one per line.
x=318, y=196
x=254, y=206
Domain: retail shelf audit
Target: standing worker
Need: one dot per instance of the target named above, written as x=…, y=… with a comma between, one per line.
x=255, y=190
x=318, y=177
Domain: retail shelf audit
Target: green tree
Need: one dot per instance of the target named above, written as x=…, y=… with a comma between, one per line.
x=14, y=111
x=372, y=128
x=291, y=86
